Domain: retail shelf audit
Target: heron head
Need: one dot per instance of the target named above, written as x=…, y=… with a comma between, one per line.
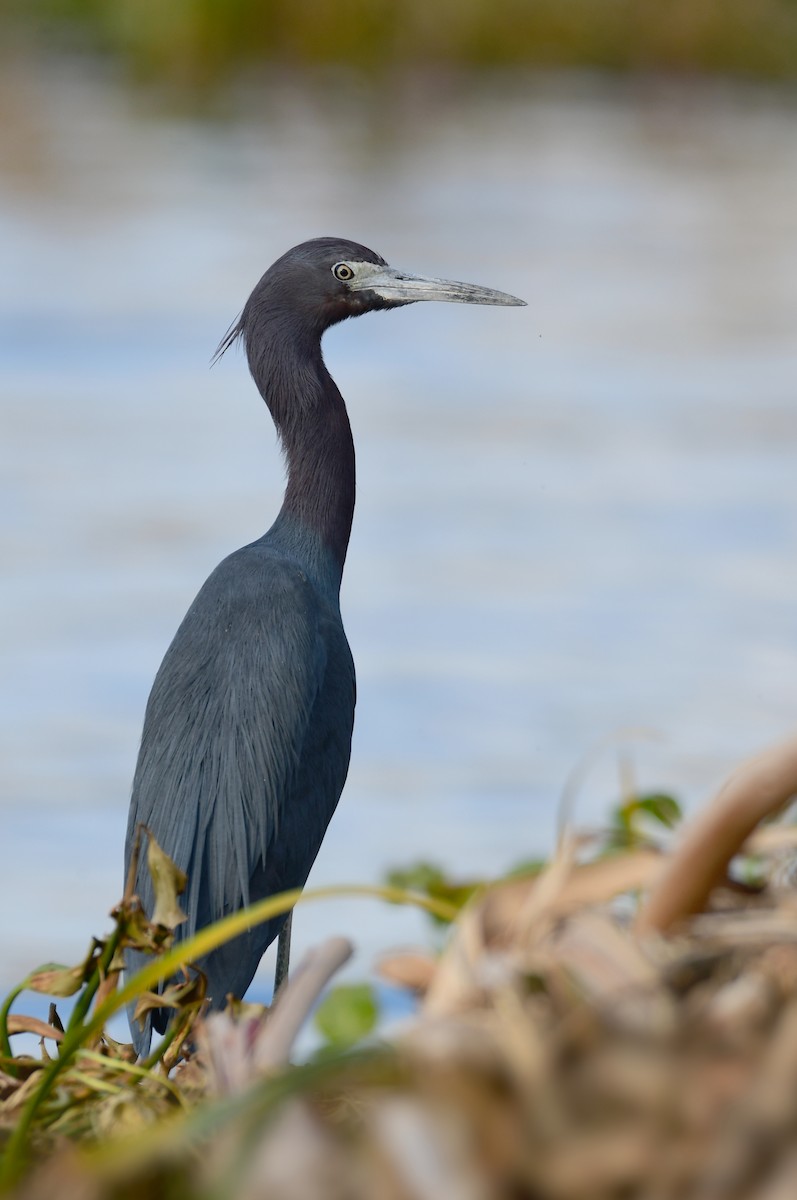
x=323, y=281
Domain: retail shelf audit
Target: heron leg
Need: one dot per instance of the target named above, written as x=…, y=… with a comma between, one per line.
x=283, y=954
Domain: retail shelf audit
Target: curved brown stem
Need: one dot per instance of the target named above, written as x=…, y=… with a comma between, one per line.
x=759, y=788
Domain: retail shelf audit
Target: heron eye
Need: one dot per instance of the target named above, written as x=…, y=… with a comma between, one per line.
x=343, y=272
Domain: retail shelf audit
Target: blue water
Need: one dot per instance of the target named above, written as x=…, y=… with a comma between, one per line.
x=576, y=521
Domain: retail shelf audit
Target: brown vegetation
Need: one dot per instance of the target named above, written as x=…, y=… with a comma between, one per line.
x=562, y=1049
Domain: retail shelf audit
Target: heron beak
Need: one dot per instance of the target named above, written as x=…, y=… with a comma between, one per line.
x=399, y=287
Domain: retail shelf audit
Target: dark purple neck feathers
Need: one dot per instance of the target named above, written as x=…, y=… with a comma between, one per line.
x=311, y=419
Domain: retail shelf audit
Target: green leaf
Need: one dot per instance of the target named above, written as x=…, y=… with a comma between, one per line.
x=628, y=819
x=661, y=807
x=347, y=1014
x=421, y=877
x=430, y=880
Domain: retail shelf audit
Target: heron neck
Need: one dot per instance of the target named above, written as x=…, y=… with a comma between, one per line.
x=313, y=425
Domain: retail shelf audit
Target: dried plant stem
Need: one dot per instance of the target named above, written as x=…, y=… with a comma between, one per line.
x=757, y=789
x=297, y=997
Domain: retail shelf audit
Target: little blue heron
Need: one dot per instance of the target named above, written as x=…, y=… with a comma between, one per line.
x=247, y=733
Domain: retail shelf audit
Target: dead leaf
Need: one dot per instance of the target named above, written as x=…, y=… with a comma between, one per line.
x=176, y=996
x=168, y=882
x=54, y=979
x=22, y=1024
x=408, y=970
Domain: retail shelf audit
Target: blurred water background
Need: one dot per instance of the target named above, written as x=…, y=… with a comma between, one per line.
x=576, y=522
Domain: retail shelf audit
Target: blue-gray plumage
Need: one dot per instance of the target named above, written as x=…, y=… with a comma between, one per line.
x=247, y=732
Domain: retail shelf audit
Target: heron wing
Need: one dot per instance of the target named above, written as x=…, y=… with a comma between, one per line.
x=227, y=724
